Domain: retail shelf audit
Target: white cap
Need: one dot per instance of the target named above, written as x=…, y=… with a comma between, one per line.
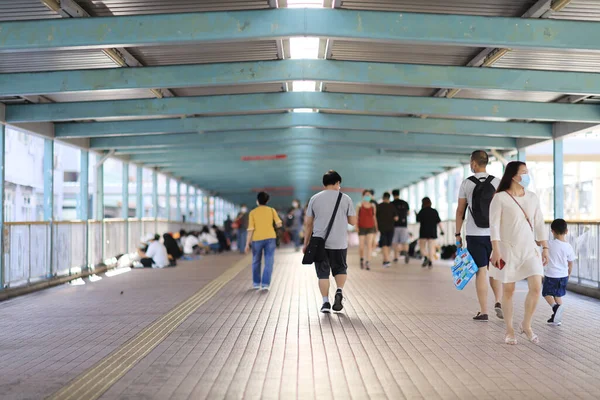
x=147, y=238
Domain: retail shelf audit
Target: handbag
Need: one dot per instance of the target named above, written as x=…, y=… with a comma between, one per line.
x=315, y=251
x=277, y=230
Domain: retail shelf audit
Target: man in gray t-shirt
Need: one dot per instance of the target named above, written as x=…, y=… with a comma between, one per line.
x=318, y=214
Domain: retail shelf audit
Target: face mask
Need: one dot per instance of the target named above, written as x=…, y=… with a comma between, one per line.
x=244, y=209
x=525, y=180
x=295, y=205
x=367, y=198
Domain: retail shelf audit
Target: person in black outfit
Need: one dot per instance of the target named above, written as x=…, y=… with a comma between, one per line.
x=430, y=220
x=223, y=244
x=173, y=249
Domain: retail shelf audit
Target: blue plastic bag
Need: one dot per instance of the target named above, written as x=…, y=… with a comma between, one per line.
x=464, y=268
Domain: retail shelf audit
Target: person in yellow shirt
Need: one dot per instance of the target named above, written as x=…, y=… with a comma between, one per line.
x=262, y=238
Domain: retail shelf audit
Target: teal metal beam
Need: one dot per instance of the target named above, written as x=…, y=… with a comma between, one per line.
x=245, y=103
x=318, y=120
x=190, y=28
x=177, y=76
x=384, y=140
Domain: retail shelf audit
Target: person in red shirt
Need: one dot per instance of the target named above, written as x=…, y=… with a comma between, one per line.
x=367, y=228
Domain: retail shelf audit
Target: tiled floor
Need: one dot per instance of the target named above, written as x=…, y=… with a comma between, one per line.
x=405, y=333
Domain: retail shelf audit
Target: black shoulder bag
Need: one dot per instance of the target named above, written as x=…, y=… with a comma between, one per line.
x=315, y=251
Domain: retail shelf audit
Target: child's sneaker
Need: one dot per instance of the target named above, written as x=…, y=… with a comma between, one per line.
x=558, y=313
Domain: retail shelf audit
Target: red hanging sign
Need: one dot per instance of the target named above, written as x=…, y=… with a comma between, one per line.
x=265, y=158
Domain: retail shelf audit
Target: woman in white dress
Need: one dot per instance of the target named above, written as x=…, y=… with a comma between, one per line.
x=516, y=229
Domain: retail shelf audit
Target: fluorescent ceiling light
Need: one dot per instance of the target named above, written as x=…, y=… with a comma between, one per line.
x=304, y=48
x=305, y=3
x=303, y=110
x=304, y=86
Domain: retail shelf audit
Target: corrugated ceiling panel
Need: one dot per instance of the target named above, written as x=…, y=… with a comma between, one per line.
x=54, y=61
x=19, y=10
x=584, y=61
x=508, y=95
x=230, y=89
x=12, y=100
x=131, y=7
x=376, y=89
x=402, y=53
x=586, y=10
x=472, y=7
x=120, y=94
x=206, y=53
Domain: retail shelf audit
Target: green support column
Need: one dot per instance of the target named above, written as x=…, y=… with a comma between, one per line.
x=437, y=189
x=188, y=205
x=522, y=155
x=558, y=178
x=466, y=171
x=154, y=194
x=99, y=197
x=178, y=216
x=125, y=202
x=168, y=196
x=49, y=192
x=48, y=179
x=196, y=215
x=83, y=210
x=2, y=216
x=139, y=193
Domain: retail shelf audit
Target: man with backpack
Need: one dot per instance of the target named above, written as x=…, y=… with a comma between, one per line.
x=475, y=194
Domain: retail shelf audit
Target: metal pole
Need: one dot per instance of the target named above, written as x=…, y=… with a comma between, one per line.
x=450, y=195
x=178, y=216
x=522, y=155
x=168, y=196
x=2, y=216
x=139, y=193
x=83, y=211
x=196, y=216
x=49, y=193
x=558, y=178
x=125, y=202
x=155, y=194
x=188, y=205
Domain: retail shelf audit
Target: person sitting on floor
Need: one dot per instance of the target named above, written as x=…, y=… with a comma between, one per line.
x=191, y=245
x=173, y=249
x=156, y=255
x=222, y=238
x=210, y=240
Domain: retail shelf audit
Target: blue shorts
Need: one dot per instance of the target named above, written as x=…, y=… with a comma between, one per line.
x=555, y=287
x=480, y=248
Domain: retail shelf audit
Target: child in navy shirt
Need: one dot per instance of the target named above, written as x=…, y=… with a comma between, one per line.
x=558, y=270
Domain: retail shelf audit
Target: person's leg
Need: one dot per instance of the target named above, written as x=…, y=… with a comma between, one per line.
x=558, y=300
x=431, y=248
x=361, y=246
x=146, y=262
x=339, y=270
x=386, y=253
x=257, y=249
x=508, y=291
x=323, y=271
x=243, y=235
x=368, y=248
x=269, y=249
x=482, y=289
x=551, y=300
x=531, y=301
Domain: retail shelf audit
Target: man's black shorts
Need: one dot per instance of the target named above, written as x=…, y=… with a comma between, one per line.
x=480, y=248
x=334, y=263
x=386, y=239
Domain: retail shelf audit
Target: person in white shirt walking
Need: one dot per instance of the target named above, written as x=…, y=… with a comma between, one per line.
x=517, y=230
x=558, y=270
x=475, y=194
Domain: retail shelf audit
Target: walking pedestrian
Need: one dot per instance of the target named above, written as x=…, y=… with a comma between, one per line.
x=429, y=219
x=401, y=235
x=295, y=223
x=475, y=195
x=386, y=217
x=367, y=228
x=263, y=240
x=558, y=270
x=516, y=228
x=242, y=224
x=319, y=214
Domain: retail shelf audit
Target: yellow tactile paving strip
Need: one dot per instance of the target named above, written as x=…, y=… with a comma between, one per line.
x=99, y=378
